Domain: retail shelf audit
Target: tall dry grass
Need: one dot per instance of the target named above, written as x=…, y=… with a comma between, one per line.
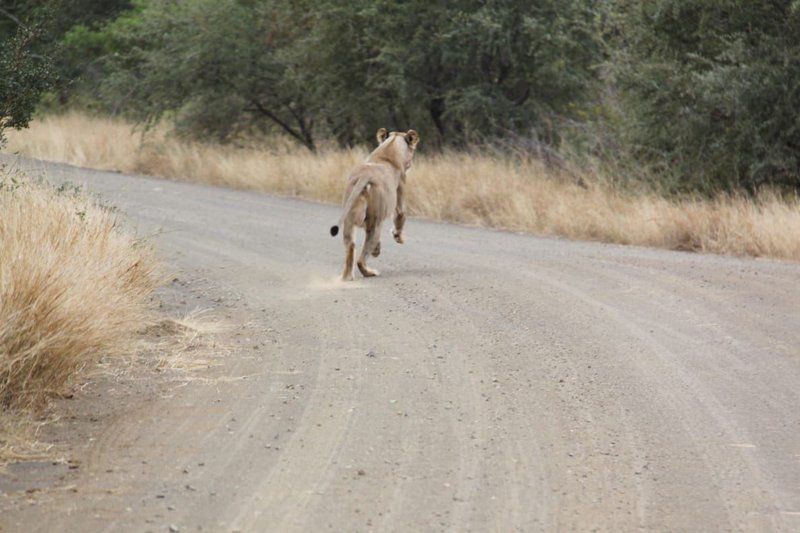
x=483, y=190
x=73, y=286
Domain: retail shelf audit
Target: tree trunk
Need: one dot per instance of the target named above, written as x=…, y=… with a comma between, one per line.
x=437, y=108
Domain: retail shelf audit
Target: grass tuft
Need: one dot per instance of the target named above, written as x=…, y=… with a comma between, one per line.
x=73, y=286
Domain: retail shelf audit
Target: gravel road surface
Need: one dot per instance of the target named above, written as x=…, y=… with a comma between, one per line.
x=487, y=381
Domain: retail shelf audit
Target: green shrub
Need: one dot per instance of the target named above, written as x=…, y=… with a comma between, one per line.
x=25, y=72
x=710, y=90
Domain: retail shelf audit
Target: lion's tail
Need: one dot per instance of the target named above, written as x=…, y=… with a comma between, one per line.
x=361, y=187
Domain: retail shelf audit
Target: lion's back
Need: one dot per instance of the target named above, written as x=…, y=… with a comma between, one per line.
x=382, y=194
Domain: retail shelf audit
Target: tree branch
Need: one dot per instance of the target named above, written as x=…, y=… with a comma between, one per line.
x=13, y=18
x=304, y=129
x=286, y=127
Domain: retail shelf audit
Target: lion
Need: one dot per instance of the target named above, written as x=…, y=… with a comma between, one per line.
x=374, y=192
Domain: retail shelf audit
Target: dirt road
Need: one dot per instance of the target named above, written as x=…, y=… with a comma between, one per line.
x=486, y=381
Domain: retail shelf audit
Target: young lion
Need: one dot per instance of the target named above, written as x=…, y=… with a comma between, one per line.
x=374, y=191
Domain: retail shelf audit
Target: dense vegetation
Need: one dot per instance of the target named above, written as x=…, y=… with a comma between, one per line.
x=711, y=89
x=24, y=73
x=701, y=94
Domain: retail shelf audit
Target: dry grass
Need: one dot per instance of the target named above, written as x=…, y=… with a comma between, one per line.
x=73, y=286
x=520, y=195
x=19, y=439
x=186, y=343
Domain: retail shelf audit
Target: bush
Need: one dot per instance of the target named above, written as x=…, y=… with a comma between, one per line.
x=710, y=90
x=461, y=71
x=73, y=286
x=25, y=73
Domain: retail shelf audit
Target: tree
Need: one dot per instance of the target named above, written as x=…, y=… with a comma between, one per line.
x=216, y=67
x=77, y=59
x=487, y=69
x=25, y=73
x=462, y=71
x=710, y=90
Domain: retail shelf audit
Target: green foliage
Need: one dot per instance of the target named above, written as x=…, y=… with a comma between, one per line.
x=463, y=71
x=709, y=90
x=44, y=43
x=697, y=95
x=25, y=73
x=216, y=67
x=78, y=58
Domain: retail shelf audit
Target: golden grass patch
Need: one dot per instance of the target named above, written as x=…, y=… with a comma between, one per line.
x=483, y=190
x=73, y=286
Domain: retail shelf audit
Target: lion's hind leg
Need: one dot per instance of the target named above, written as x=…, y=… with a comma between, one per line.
x=371, y=243
x=349, y=250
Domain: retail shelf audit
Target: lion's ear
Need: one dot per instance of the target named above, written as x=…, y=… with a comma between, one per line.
x=412, y=137
x=381, y=135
